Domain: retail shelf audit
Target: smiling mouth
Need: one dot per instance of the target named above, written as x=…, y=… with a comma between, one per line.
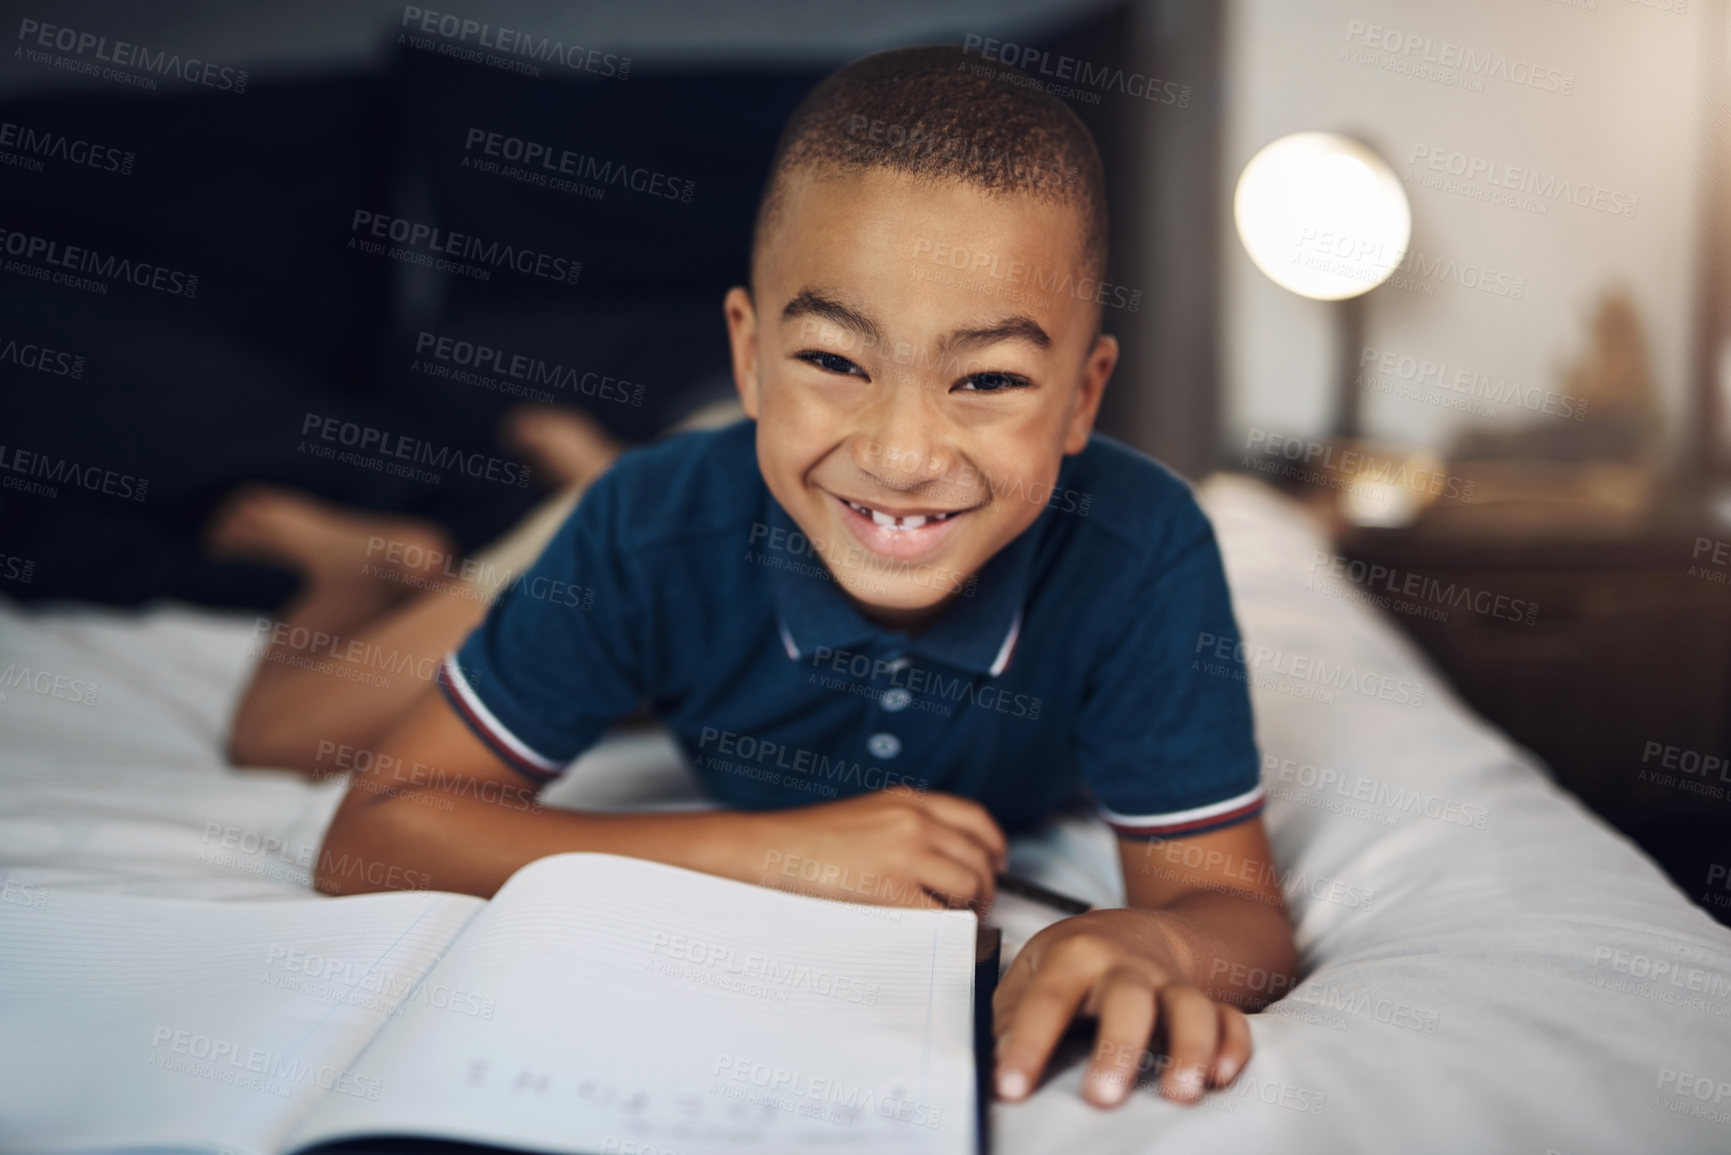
x=903, y=521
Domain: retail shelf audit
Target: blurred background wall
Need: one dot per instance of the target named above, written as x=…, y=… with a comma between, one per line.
x=1635, y=125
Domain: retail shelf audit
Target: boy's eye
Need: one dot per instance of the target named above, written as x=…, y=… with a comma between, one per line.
x=829, y=362
x=993, y=383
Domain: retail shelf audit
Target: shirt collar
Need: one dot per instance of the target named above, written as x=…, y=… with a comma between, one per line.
x=977, y=633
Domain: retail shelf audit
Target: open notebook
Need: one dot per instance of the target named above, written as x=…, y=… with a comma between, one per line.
x=596, y=1004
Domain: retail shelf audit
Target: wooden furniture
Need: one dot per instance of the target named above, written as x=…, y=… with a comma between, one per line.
x=1621, y=682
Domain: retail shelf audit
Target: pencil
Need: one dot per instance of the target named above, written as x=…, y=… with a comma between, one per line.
x=1010, y=884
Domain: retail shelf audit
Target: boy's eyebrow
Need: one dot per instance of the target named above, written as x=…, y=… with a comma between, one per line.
x=809, y=303
x=813, y=304
x=1010, y=328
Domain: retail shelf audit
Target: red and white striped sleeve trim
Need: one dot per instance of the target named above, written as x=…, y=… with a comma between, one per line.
x=1197, y=820
x=480, y=719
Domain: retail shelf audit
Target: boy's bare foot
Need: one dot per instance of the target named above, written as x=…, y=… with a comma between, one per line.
x=370, y=554
x=567, y=445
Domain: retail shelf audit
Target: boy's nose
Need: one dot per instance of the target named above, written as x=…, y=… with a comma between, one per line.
x=902, y=443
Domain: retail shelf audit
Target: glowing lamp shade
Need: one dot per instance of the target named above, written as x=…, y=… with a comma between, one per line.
x=1322, y=215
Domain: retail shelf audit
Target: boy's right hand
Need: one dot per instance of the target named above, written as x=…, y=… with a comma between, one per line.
x=890, y=848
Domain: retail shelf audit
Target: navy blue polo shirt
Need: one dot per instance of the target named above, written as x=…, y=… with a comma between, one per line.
x=1081, y=663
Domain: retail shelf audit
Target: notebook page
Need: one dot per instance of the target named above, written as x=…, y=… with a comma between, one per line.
x=644, y=1007
x=147, y=1022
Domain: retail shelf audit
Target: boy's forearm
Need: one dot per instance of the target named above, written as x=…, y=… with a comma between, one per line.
x=437, y=840
x=1235, y=948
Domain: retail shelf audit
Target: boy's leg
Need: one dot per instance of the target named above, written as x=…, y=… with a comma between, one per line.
x=348, y=655
x=351, y=653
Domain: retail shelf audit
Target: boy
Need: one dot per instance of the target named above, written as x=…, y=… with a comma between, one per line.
x=916, y=581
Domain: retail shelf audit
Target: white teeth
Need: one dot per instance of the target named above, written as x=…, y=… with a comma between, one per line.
x=912, y=521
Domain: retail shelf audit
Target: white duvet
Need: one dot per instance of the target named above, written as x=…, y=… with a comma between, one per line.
x=1487, y=966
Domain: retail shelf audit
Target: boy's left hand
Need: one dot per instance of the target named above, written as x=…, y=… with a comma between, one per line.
x=1116, y=966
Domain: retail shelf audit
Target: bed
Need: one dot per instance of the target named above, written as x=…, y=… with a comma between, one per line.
x=1486, y=965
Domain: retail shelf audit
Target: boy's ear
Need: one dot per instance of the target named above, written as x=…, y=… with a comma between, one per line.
x=1096, y=371
x=742, y=338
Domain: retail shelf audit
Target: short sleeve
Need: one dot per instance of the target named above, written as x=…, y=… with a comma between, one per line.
x=1166, y=737
x=557, y=659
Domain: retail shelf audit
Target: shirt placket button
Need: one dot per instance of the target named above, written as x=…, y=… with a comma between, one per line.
x=884, y=745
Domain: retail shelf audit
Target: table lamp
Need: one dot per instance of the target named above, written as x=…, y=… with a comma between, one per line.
x=1324, y=216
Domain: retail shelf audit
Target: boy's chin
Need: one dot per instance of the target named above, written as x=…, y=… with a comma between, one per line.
x=901, y=603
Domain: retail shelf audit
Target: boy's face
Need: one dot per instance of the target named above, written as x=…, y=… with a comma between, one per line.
x=915, y=388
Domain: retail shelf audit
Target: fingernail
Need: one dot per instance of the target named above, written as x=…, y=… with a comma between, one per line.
x=1012, y=1084
x=1189, y=1082
x=1225, y=1072
x=1106, y=1087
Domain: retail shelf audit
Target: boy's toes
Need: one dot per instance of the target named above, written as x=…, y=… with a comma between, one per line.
x=323, y=541
x=241, y=525
x=566, y=445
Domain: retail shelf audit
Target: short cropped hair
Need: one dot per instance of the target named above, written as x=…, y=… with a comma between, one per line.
x=936, y=113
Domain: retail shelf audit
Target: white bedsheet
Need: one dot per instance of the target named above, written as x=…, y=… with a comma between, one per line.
x=1490, y=968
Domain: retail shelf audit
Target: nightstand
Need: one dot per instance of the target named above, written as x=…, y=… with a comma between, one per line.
x=1610, y=658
